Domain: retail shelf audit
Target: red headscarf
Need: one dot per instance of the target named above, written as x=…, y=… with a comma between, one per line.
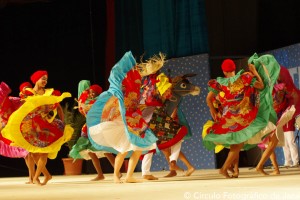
x=228, y=65
x=96, y=88
x=37, y=75
x=25, y=84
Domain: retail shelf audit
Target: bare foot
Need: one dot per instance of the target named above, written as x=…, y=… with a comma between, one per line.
x=29, y=182
x=150, y=177
x=261, y=171
x=117, y=179
x=230, y=169
x=132, y=180
x=98, y=178
x=224, y=173
x=275, y=172
x=46, y=179
x=172, y=173
x=120, y=174
x=235, y=175
x=37, y=182
x=174, y=166
x=190, y=171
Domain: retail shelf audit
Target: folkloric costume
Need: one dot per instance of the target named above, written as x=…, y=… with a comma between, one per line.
x=291, y=97
x=168, y=129
x=8, y=105
x=34, y=126
x=83, y=145
x=24, y=92
x=245, y=111
x=115, y=122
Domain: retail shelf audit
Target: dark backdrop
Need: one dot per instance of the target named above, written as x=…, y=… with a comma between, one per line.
x=67, y=38
x=237, y=29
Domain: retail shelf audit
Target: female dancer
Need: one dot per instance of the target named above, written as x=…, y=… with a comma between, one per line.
x=87, y=95
x=34, y=125
x=8, y=105
x=115, y=122
x=287, y=106
x=243, y=116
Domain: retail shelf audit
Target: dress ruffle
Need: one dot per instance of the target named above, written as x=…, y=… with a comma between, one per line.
x=11, y=151
x=8, y=105
x=30, y=127
x=115, y=115
x=82, y=148
x=268, y=68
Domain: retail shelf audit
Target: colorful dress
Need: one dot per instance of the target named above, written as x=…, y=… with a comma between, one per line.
x=168, y=130
x=34, y=126
x=8, y=105
x=83, y=145
x=285, y=105
x=115, y=122
x=248, y=114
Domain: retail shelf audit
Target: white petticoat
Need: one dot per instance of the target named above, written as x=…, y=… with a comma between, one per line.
x=112, y=134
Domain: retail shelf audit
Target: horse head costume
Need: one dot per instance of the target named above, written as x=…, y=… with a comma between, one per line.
x=168, y=122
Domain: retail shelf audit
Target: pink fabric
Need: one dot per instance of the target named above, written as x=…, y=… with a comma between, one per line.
x=11, y=151
x=293, y=95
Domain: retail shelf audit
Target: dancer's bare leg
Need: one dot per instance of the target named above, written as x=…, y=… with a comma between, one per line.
x=134, y=158
x=31, y=167
x=111, y=158
x=236, y=172
x=274, y=163
x=97, y=165
x=117, y=166
x=173, y=167
x=41, y=164
x=273, y=141
x=47, y=175
x=167, y=153
x=190, y=167
x=231, y=157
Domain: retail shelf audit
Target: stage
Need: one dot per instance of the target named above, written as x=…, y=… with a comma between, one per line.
x=202, y=184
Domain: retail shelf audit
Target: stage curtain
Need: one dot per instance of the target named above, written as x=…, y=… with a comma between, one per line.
x=177, y=28
x=129, y=31
x=110, y=54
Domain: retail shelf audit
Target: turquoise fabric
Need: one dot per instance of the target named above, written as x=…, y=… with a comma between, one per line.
x=82, y=86
x=184, y=122
x=117, y=75
x=177, y=28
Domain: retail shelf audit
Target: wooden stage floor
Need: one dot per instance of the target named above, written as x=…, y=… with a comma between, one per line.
x=202, y=184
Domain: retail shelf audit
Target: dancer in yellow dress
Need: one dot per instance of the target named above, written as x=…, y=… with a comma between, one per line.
x=34, y=125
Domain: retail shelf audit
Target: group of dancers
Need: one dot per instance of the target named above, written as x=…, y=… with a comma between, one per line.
x=139, y=115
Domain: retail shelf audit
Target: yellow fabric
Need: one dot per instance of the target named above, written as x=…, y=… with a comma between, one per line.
x=12, y=130
x=163, y=85
x=48, y=92
x=206, y=126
